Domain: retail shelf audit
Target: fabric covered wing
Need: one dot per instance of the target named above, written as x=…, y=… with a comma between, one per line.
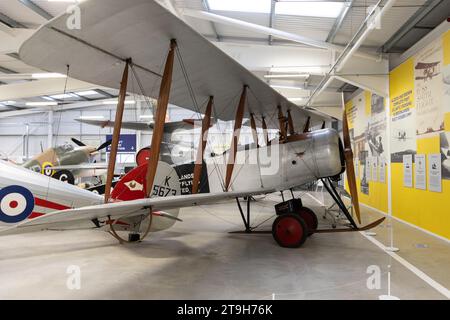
x=115, y=30
x=122, y=209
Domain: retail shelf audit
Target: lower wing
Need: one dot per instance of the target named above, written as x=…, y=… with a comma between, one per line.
x=123, y=209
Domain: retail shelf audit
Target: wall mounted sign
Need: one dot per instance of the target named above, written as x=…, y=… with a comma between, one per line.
x=420, y=172
x=127, y=143
x=382, y=171
x=374, y=168
x=434, y=173
x=407, y=171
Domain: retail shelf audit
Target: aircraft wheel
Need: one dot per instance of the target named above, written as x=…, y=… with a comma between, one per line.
x=289, y=230
x=310, y=219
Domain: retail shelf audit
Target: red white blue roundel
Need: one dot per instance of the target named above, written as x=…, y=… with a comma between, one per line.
x=16, y=204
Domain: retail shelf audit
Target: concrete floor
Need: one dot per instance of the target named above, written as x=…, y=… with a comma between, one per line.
x=199, y=259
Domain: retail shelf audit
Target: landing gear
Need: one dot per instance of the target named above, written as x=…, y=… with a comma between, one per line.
x=289, y=230
x=134, y=237
x=293, y=224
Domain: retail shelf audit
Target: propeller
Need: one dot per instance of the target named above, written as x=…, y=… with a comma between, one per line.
x=104, y=145
x=101, y=147
x=351, y=178
x=78, y=142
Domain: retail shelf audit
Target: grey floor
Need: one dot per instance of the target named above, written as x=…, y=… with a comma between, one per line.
x=199, y=259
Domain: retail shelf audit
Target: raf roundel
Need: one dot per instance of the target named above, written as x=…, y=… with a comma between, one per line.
x=16, y=204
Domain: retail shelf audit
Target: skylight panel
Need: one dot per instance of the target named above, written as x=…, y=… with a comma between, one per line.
x=255, y=6
x=323, y=9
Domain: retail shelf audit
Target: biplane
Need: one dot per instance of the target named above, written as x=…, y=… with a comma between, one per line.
x=172, y=62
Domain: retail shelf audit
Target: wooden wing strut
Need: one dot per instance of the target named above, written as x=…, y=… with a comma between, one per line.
x=282, y=121
x=290, y=123
x=266, y=133
x=202, y=145
x=160, y=117
x=116, y=132
x=236, y=133
x=254, y=131
x=307, y=125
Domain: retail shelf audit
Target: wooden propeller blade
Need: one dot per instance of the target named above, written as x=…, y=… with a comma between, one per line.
x=351, y=177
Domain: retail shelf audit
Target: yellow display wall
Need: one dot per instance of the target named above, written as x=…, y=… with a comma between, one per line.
x=419, y=124
x=367, y=124
x=421, y=82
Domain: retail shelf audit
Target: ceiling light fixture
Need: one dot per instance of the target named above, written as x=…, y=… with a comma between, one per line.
x=276, y=76
x=287, y=87
x=114, y=102
x=92, y=117
x=48, y=75
x=41, y=104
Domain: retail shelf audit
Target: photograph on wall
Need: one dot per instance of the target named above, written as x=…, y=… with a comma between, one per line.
x=376, y=127
x=446, y=88
x=428, y=89
x=403, y=133
x=434, y=173
x=445, y=155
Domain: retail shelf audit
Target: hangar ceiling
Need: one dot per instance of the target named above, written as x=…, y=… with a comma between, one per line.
x=266, y=55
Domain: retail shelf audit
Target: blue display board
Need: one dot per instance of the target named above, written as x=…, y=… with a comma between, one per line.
x=127, y=143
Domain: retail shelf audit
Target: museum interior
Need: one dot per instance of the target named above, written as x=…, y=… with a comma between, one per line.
x=225, y=149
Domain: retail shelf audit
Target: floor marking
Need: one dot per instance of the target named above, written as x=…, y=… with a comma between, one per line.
x=437, y=286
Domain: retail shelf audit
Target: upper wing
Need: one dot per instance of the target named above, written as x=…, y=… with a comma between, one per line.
x=133, y=125
x=169, y=127
x=115, y=30
x=122, y=209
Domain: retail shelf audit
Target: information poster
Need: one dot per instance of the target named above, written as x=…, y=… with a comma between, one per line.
x=407, y=171
x=382, y=172
x=420, y=172
x=374, y=169
x=429, y=88
x=434, y=173
x=368, y=168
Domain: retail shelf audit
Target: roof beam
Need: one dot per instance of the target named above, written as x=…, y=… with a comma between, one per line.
x=104, y=93
x=10, y=22
x=409, y=25
x=271, y=31
x=213, y=25
x=272, y=19
x=31, y=5
x=339, y=20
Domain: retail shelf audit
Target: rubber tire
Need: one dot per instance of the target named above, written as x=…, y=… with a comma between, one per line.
x=310, y=218
x=296, y=222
